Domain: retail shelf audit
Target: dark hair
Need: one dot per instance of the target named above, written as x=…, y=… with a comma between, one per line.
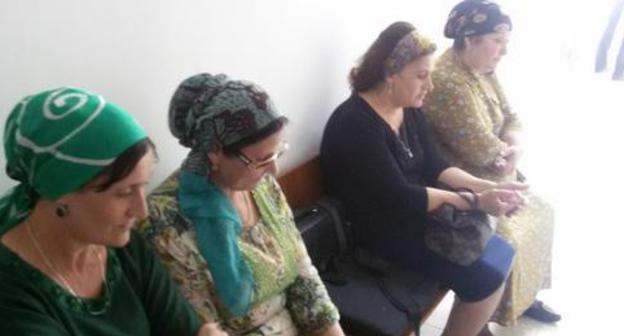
x=459, y=43
x=124, y=164
x=370, y=71
x=265, y=132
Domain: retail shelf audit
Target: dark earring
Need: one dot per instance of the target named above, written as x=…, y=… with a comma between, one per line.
x=213, y=166
x=62, y=210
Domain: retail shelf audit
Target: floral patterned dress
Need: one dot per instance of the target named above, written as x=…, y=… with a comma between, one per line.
x=468, y=114
x=288, y=297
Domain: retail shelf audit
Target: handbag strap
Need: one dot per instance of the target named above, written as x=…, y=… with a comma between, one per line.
x=473, y=201
x=461, y=191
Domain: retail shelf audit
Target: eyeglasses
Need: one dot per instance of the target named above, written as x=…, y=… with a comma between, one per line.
x=265, y=162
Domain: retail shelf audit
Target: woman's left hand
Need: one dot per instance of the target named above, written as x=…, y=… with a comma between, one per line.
x=520, y=201
x=519, y=198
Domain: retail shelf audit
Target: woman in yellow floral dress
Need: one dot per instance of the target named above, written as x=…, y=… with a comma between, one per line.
x=477, y=132
x=221, y=223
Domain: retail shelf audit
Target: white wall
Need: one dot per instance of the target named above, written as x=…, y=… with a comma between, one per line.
x=136, y=52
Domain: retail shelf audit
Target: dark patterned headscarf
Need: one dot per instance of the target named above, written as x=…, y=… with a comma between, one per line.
x=475, y=17
x=212, y=111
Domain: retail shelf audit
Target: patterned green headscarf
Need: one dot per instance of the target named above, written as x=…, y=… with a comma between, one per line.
x=208, y=112
x=58, y=140
x=213, y=110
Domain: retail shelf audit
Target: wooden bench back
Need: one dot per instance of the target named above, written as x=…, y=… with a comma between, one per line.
x=303, y=185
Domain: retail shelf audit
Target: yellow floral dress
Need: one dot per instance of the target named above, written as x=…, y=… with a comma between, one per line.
x=468, y=114
x=288, y=297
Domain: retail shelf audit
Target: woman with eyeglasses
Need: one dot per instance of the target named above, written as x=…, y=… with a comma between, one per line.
x=222, y=224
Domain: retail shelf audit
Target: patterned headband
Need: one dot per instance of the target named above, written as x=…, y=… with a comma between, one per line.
x=409, y=48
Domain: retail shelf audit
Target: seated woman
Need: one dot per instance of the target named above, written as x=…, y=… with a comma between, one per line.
x=477, y=132
x=69, y=263
x=222, y=225
x=377, y=157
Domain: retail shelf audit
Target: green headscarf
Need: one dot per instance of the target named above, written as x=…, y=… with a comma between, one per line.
x=58, y=140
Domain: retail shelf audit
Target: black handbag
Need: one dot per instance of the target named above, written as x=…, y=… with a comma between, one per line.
x=374, y=297
x=460, y=236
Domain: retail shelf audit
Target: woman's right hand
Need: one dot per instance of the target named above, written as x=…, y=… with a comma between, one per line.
x=497, y=202
x=507, y=161
x=512, y=185
x=211, y=329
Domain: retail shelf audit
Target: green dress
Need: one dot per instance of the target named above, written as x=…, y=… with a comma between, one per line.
x=139, y=299
x=288, y=296
x=468, y=114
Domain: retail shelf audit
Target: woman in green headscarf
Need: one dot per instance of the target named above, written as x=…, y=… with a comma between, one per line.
x=222, y=225
x=68, y=264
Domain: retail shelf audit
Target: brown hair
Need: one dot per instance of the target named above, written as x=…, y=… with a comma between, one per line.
x=124, y=164
x=459, y=43
x=370, y=71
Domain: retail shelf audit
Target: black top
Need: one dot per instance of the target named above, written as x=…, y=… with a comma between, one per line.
x=379, y=176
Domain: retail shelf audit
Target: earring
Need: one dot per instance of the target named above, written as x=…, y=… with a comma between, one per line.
x=62, y=211
x=389, y=88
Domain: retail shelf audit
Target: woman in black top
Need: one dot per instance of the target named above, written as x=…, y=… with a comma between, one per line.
x=378, y=158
